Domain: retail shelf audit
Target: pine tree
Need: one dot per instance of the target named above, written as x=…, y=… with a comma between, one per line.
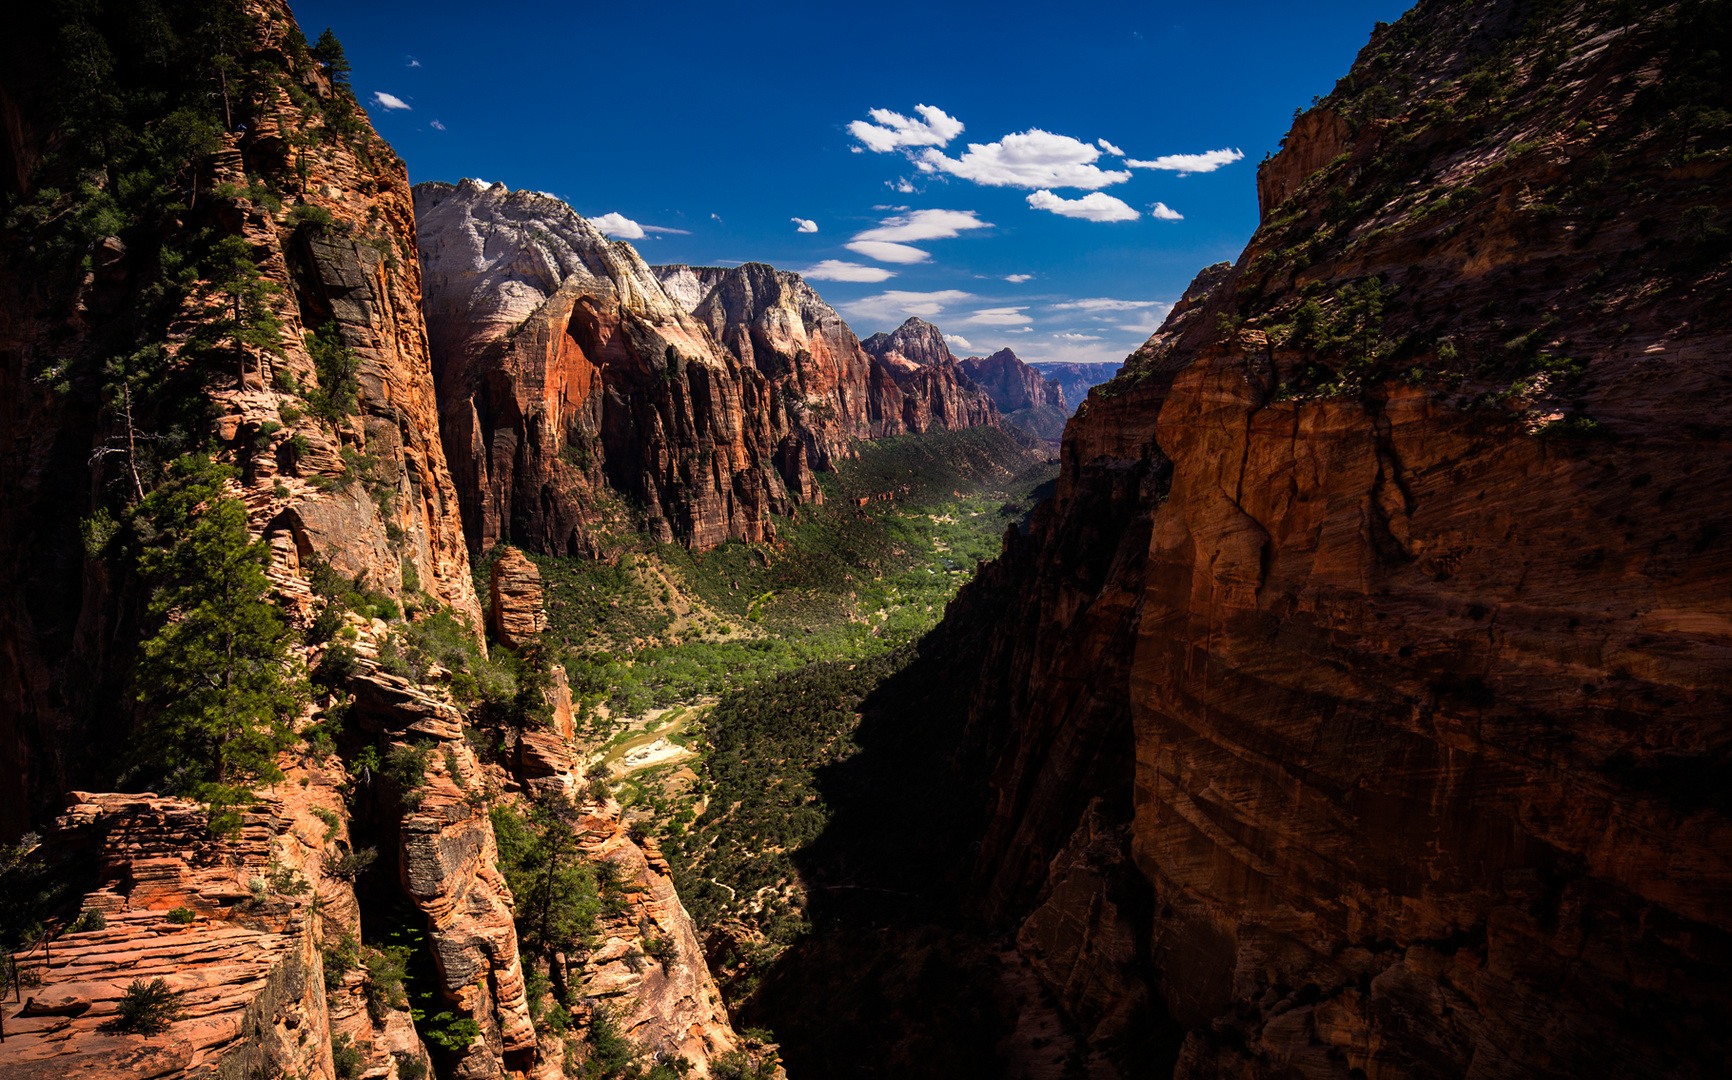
x=217, y=674
x=554, y=888
x=328, y=51
x=247, y=321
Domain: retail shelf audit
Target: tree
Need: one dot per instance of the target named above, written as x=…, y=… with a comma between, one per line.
x=337, y=368
x=217, y=673
x=247, y=321
x=554, y=887
x=328, y=51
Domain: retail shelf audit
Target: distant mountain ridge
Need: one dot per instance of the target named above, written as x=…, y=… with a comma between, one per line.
x=1075, y=380
x=1035, y=404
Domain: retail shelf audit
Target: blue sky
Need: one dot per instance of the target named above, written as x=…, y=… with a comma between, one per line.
x=1071, y=170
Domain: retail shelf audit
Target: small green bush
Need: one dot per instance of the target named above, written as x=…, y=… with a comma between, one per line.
x=384, y=982
x=345, y=1056
x=147, y=1008
x=88, y=920
x=338, y=959
x=181, y=915
x=333, y=823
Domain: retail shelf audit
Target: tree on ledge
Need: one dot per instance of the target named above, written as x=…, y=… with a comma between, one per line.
x=217, y=674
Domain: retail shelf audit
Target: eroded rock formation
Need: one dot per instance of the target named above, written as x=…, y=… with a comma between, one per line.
x=572, y=376
x=1023, y=396
x=515, y=614
x=1368, y=670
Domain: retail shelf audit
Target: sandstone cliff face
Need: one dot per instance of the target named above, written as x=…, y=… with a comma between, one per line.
x=247, y=966
x=391, y=504
x=1013, y=384
x=1415, y=612
x=326, y=215
x=572, y=374
x=1023, y=396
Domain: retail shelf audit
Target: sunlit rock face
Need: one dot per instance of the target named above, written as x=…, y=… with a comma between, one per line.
x=572, y=375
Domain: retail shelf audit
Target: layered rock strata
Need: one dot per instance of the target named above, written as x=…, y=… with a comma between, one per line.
x=369, y=492
x=1410, y=628
x=515, y=614
x=573, y=376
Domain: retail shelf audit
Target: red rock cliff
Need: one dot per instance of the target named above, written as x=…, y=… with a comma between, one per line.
x=1383, y=603
x=573, y=374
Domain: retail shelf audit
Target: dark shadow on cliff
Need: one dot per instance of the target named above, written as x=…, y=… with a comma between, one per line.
x=900, y=975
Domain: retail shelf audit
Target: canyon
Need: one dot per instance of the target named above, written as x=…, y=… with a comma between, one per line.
x=1353, y=707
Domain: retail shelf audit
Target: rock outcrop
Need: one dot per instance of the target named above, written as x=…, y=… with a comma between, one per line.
x=1366, y=676
x=913, y=345
x=574, y=379
x=515, y=614
x=1013, y=384
x=1023, y=396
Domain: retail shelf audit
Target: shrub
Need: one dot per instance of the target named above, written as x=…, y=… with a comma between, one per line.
x=333, y=823
x=384, y=982
x=338, y=663
x=345, y=1056
x=181, y=915
x=346, y=865
x=407, y=765
x=147, y=1008
x=308, y=214
x=452, y=1033
x=88, y=920
x=338, y=959
x=335, y=398
x=661, y=949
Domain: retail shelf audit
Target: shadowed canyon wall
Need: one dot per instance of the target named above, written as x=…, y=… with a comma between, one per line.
x=1364, y=684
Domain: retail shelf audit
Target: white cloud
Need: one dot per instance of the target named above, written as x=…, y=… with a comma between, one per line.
x=806, y=224
x=958, y=341
x=1185, y=164
x=892, y=131
x=1054, y=351
x=389, y=101
x=665, y=229
x=1029, y=159
x=998, y=316
x=924, y=225
x=618, y=226
x=838, y=270
x=717, y=218
x=1102, y=303
x=1095, y=206
x=887, y=252
x=436, y=125
x=1078, y=337
x=1018, y=279
x=901, y=185
x=412, y=62
x=1109, y=148
x=889, y=208
x=1162, y=212
x=1021, y=330
x=893, y=307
